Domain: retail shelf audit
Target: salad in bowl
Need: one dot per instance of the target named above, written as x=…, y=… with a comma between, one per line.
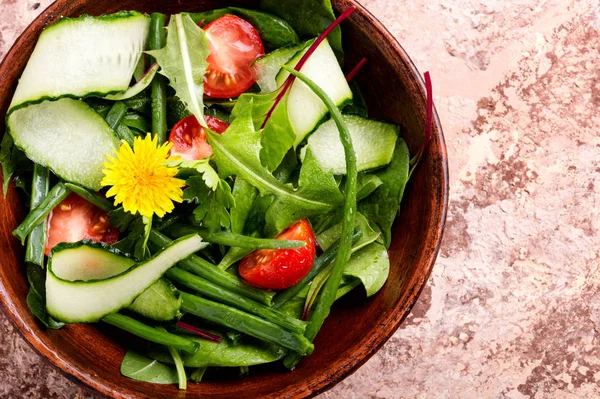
x=208, y=182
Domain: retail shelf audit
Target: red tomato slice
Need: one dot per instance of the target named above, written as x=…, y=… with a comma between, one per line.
x=277, y=269
x=234, y=45
x=189, y=138
x=75, y=219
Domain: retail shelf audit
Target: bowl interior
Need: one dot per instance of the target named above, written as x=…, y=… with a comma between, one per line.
x=357, y=327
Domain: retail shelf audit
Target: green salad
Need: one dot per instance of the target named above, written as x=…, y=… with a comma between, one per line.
x=208, y=182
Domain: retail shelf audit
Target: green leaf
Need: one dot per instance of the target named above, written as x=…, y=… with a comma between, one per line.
x=244, y=195
x=248, y=352
x=203, y=167
x=274, y=32
x=142, y=368
x=5, y=161
x=36, y=297
x=308, y=17
x=212, y=211
x=358, y=106
x=237, y=153
x=331, y=235
x=371, y=265
x=381, y=207
x=183, y=62
x=278, y=135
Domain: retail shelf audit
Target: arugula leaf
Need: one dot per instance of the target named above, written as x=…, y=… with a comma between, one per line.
x=237, y=153
x=308, y=17
x=244, y=195
x=383, y=205
x=371, y=265
x=212, y=211
x=141, y=368
x=278, y=135
x=183, y=62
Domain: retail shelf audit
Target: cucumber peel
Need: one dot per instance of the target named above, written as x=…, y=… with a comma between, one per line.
x=74, y=300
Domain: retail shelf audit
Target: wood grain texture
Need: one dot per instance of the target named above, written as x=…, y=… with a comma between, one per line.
x=357, y=328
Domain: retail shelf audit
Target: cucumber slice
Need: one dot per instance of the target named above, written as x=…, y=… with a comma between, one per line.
x=83, y=301
x=87, y=260
x=83, y=56
x=269, y=66
x=373, y=143
x=305, y=109
x=66, y=136
x=160, y=302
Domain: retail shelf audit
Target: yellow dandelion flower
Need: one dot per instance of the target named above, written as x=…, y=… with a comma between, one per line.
x=140, y=179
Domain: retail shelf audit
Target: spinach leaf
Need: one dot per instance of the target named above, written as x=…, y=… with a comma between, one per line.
x=36, y=297
x=237, y=153
x=371, y=265
x=358, y=106
x=274, y=31
x=212, y=211
x=183, y=62
x=206, y=17
x=308, y=17
x=14, y=164
x=141, y=368
x=381, y=207
x=248, y=352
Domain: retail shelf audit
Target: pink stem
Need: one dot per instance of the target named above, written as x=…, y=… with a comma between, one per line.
x=202, y=333
x=288, y=82
x=356, y=69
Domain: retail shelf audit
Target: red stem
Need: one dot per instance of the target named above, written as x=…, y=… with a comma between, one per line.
x=288, y=82
x=202, y=333
x=356, y=69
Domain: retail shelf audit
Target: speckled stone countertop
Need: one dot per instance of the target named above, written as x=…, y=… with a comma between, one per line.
x=512, y=309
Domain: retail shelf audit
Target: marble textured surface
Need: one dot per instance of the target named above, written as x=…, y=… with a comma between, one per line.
x=512, y=309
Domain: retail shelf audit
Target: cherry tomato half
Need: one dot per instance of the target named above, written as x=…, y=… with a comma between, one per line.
x=277, y=269
x=189, y=138
x=75, y=219
x=234, y=45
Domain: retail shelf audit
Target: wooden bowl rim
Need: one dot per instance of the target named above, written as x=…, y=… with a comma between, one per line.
x=313, y=388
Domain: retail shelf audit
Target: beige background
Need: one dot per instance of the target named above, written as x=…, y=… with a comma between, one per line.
x=512, y=309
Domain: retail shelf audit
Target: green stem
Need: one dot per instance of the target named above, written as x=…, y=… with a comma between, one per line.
x=245, y=322
x=159, y=85
x=181, y=376
x=198, y=266
x=91, y=197
x=214, y=292
x=321, y=262
x=235, y=240
x=36, y=241
x=323, y=306
x=150, y=333
x=39, y=213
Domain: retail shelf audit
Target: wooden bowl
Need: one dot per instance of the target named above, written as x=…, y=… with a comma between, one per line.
x=357, y=327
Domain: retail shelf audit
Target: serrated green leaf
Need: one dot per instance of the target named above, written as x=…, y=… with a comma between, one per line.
x=203, y=167
x=212, y=210
x=237, y=152
x=183, y=62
